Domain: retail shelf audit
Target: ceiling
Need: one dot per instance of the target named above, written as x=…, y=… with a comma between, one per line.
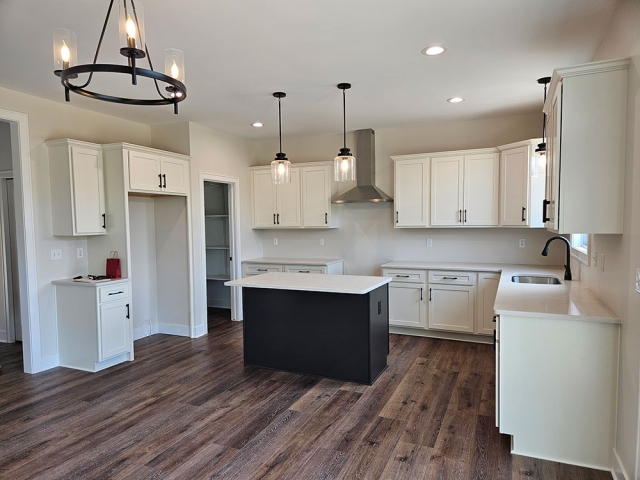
x=238, y=52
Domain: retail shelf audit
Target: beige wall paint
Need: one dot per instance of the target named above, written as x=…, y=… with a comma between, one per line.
x=366, y=237
x=5, y=147
x=47, y=121
x=622, y=252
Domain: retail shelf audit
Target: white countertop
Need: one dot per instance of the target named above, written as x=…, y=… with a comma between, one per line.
x=354, y=284
x=69, y=281
x=293, y=261
x=571, y=300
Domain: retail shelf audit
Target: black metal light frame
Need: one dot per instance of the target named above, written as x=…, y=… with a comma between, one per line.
x=344, y=151
x=176, y=89
x=542, y=147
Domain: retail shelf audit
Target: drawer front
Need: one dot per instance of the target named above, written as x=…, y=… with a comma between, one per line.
x=452, y=278
x=112, y=293
x=412, y=276
x=305, y=269
x=258, y=269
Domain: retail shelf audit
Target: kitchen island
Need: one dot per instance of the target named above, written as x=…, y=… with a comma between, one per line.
x=334, y=326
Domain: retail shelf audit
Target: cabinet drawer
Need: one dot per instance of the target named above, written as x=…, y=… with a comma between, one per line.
x=413, y=276
x=113, y=292
x=304, y=269
x=452, y=278
x=258, y=269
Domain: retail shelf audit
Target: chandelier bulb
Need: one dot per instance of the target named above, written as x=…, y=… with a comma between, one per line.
x=175, y=71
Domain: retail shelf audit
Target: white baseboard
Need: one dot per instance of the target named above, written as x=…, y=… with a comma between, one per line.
x=170, y=329
x=144, y=331
x=3, y=337
x=618, y=472
x=200, y=331
x=559, y=460
x=47, y=363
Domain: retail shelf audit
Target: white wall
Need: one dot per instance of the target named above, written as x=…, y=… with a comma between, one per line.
x=47, y=121
x=622, y=252
x=5, y=147
x=366, y=237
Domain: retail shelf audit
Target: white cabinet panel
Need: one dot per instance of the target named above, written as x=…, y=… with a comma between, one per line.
x=316, y=196
x=407, y=305
x=514, y=192
x=288, y=202
x=88, y=191
x=263, y=199
x=451, y=307
x=115, y=331
x=175, y=175
x=144, y=172
x=481, y=179
x=412, y=193
x=447, y=191
x=486, y=297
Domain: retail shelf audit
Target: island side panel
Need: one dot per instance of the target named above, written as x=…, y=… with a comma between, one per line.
x=317, y=333
x=378, y=331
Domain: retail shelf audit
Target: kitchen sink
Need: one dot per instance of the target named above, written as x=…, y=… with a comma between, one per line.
x=536, y=279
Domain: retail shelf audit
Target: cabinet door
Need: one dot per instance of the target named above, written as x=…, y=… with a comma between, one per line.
x=514, y=180
x=175, y=175
x=115, y=329
x=553, y=161
x=144, y=172
x=412, y=193
x=288, y=202
x=316, y=196
x=263, y=199
x=88, y=191
x=407, y=305
x=487, y=290
x=451, y=308
x=481, y=180
x=446, y=191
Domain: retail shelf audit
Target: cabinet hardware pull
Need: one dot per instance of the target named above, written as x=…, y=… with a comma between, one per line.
x=494, y=339
x=430, y=296
x=524, y=210
x=261, y=270
x=278, y=219
x=104, y=221
x=128, y=312
x=420, y=293
x=449, y=278
x=274, y=218
x=326, y=218
x=494, y=318
x=545, y=202
x=160, y=180
x=396, y=217
x=402, y=276
x=459, y=216
x=164, y=177
x=465, y=216
x=304, y=271
x=117, y=293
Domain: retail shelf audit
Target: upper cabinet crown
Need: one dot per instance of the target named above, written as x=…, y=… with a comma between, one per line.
x=77, y=188
x=586, y=123
x=305, y=202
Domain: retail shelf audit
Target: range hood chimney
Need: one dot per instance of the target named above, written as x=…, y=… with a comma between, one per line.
x=365, y=190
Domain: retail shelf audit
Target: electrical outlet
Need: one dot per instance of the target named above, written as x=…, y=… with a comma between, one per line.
x=602, y=262
x=321, y=241
x=429, y=242
x=638, y=280
x=275, y=241
x=56, y=254
x=523, y=242
x=80, y=252
x=594, y=259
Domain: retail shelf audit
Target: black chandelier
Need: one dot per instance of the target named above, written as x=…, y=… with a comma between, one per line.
x=134, y=47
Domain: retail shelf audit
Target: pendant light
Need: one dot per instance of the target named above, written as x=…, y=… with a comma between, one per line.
x=133, y=46
x=539, y=164
x=344, y=165
x=280, y=167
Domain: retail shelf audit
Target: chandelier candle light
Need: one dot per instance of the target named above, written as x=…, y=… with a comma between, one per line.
x=133, y=47
x=280, y=167
x=344, y=165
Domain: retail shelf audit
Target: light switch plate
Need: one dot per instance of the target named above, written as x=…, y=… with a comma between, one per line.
x=275, y=241
x=638, y=280
x=80, y=252
x=523, y=242
x=321, y=241
x=602, y=262
x=56, y=254
x=429, y=242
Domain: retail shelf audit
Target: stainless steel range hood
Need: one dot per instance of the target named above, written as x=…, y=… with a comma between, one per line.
x=365, y=190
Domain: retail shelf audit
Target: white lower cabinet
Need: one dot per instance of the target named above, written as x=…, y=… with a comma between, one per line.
x=451, y=307
x=407, y=306
x=486, y=297
x=95, y=329
x=258, y=266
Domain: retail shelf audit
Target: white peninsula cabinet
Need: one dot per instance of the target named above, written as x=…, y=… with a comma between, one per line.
x=77, y=188
x=586, y=123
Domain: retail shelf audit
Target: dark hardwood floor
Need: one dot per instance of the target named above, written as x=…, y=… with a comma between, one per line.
x=188, y=409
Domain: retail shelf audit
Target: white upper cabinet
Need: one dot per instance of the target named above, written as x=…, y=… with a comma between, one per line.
x=411, y=193
x=447, y=191
x=305, y=202
x=155, y=172
x=77, y=188
x=481, y=180
x=586, y=125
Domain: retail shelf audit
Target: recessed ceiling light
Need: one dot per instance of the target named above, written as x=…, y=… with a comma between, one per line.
x=434, y=50
x=257, y=124
x=455, y=99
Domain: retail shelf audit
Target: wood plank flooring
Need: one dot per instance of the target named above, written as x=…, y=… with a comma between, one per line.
x=189, y=409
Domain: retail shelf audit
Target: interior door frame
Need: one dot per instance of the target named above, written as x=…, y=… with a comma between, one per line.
x=6, y=269
x=25, y=239
x=234, y=239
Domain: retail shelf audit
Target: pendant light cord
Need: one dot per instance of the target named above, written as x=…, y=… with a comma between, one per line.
x=544, y=118
x=344, y=117
x=280, y=123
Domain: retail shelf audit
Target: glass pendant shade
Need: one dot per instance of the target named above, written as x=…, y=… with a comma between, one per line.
x=539, y=164
x=280, y=170
x=174, y=63
x=65, y=49
x=344, y=167
x=131, y=25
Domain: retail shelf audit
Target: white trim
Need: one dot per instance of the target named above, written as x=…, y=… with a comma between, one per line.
x=293, y=164
x=618, y=467
x=5, y=253
x=532, y=142
x=453, y=153
x=25, y=237
x=560, y=460
x=201, y=330
x=170, y=329
x=140, y=332
x=235, y=248
x=52, y=361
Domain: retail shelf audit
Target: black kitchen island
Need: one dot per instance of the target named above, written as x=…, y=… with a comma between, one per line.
x=334, y=326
